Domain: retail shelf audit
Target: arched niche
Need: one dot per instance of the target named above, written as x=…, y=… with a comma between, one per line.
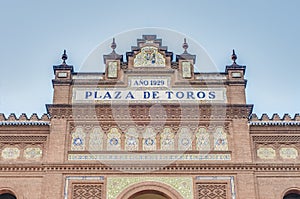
x=149, y=189
x=292, y=194
x=7, y=194
x=150, y=194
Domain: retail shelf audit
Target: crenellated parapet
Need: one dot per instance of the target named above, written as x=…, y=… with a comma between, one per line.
x=275, y=119
x=275, y=138
x=23, y=138
x=24, y=119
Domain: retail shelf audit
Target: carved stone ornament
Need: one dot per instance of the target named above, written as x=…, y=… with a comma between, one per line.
x=112, y=69
x=186, y=69
x=10, y=153
x=288, y=153
x=266, y=153
x=33, y=153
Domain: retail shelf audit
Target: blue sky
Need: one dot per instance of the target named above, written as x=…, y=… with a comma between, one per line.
x=265, y=35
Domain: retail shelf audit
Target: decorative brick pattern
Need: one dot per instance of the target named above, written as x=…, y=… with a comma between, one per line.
x=87, y=191
x=211, y=191
x=279, y=138
x=23, y=138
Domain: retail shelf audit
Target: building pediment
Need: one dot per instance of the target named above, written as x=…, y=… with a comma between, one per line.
x=149, y=52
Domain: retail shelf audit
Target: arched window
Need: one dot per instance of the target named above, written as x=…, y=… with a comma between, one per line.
x=114, y=140
x=78, y=139
x=203, y=140
x=132, y=139
x=220, y=140
x=184, y=139
x=7, y=196
x=167, y=139
x=149, y=139
x=96, y=139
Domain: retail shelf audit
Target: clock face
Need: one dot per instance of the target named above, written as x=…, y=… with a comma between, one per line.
x=149, y=56
x=112, y=70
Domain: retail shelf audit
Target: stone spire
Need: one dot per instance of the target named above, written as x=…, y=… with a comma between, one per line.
x=185, y=46
x=233, y=57
x=185, y=55
x=113, y=45
x=113, y=55
x=234, y=65
x=64, y=57
x=63, y=65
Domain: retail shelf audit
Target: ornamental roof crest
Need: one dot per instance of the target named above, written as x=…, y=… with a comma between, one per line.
x=149, y=52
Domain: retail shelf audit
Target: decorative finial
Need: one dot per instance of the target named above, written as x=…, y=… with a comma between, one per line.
x=113, y=44
x=185, y=45
x=233, y=57
x=64, y=57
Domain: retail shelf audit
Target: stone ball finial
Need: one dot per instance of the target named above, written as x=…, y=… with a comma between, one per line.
x=64, y=57
x=233, y=56
x=185, y=45
x=113, y=44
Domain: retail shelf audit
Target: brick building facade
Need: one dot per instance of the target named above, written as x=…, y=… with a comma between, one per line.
x=149, y=127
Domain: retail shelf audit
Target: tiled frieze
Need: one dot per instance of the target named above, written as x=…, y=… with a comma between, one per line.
x=150, y=157
x=130, y=138
x=276, y=148
x=22, y=152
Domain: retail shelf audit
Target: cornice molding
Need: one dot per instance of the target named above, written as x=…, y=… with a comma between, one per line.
x=133, y=169
x=124, y=112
